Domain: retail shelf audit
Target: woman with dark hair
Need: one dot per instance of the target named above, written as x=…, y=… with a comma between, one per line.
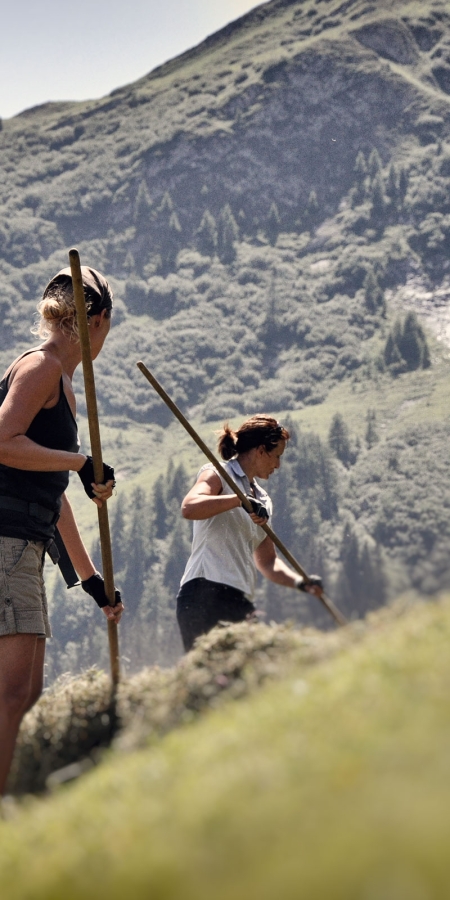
x=228, y=543
x=38, y=448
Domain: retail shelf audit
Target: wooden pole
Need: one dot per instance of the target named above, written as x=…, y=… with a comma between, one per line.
x=330, y=606
x=96, y=450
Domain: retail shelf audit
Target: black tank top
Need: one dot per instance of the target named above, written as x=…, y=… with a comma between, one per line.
x=55, y=428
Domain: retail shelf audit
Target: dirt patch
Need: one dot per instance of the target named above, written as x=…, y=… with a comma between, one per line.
x=432, y=305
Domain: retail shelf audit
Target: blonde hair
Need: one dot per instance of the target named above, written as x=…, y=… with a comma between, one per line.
x=57, y=311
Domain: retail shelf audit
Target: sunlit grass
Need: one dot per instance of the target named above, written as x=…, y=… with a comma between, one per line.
x=330, y=783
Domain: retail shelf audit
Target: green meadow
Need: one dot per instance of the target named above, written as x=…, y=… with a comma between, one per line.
x=330, y=781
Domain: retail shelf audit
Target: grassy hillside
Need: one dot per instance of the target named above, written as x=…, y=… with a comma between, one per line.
x=273, y=211
x=331, y=781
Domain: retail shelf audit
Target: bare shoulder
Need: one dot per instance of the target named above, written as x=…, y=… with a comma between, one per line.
x=210, y=477
x=34, y=382
x=41, y=364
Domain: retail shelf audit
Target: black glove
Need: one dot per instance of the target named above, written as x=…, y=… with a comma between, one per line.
x=95, y=587
x=86, y=474
x=258, y=508
x=312, y=581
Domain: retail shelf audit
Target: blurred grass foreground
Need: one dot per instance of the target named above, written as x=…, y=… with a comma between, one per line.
x=320, y=770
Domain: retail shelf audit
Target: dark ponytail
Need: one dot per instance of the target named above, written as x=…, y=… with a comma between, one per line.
x=255, y=432
x=227, y=442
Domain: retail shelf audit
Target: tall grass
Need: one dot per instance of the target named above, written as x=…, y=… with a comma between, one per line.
x=330, y=782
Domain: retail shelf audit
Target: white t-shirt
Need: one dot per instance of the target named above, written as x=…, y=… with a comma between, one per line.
x=223, y=546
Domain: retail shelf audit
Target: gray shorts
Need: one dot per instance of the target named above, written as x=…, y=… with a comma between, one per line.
x=23, y=603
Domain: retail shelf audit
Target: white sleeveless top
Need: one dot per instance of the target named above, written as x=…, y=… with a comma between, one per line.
x=223, y=546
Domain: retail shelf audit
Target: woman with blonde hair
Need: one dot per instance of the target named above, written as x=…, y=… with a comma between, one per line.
x=228, y=543
x=39, y=447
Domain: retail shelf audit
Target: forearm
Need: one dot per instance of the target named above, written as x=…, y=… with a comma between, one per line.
x=68, y=530
x=278, y=572
x=20, y=452
x=204, y=506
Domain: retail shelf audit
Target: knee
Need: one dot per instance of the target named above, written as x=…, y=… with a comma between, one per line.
x=14, y=700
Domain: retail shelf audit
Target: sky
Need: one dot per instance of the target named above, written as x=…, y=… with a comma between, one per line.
x=55, y=50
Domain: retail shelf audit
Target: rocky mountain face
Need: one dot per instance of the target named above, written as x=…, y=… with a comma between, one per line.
x=273, y=107
x=258, y=130
x=272, y=209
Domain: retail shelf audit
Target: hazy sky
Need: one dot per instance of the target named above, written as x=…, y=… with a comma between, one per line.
x=55, y=50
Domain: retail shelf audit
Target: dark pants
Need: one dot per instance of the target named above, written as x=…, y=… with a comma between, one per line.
x=202, y=604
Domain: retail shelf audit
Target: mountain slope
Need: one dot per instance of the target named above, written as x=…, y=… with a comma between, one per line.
x=275, y=107
x=273, y=209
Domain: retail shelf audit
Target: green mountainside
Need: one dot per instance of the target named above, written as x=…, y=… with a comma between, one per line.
x=273, y=211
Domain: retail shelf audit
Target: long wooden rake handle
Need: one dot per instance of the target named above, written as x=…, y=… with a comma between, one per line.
x=330, y=606
x=96, y=450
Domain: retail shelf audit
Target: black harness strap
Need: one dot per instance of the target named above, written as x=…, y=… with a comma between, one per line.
x=64, y=562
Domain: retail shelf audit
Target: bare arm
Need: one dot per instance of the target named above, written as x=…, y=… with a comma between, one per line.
x=68, y=530
x=272, y=567
x=206, y=498
x=34, y=386
x=79, y=556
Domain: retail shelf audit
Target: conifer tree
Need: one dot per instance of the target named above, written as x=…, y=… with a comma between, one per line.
x=142, y=206
x=177, y=486
x=371, y=436
x=374, y=165
x=129, y=264
x=392, y=187
x=348, y=581
x=283, y=502
x=137, y=558
x=273, y=224
x=374, y=584
x=173, y=245
x=159, y=507
x=403, y=183
x=373, y=294
x=118, y=535
x=412, y=343
x=361, y=582
x=169, y=232
x=176, y=558
x=311, y=211
x=206, y=234
x=391, y=354
x=360, y=171
x=228, y=235
x=314, y=471
x=339, y=439
x=165, y=208
x=378, y=200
